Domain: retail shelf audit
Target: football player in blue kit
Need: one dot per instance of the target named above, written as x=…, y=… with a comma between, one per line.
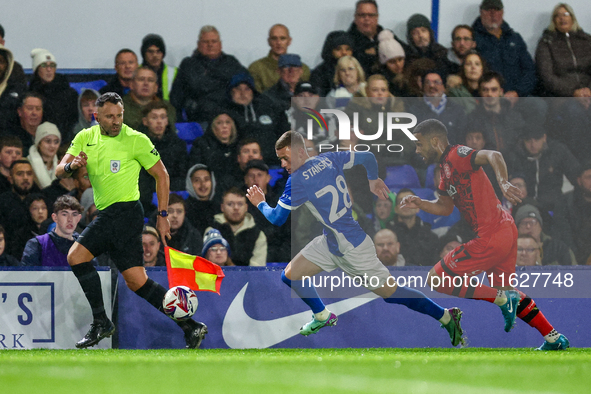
x=319, y=183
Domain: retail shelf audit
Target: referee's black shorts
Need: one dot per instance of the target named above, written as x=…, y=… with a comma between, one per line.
x=118, y=230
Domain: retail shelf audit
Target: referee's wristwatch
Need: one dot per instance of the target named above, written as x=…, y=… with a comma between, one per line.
x=163, y=213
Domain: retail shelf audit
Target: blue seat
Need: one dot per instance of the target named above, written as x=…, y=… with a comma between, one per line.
x=188, y=131
x=276, y=174
x=96, y=85
x=183, y=193
x=402, y=176
x=429, y=182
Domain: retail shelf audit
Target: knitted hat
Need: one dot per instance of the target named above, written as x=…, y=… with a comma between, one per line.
x=152, y=39
x=40, y=56
x=528, y=211
x=289, y=60
x=417, y=20
x=45, y=129
x=213, y=237
x=389, y=48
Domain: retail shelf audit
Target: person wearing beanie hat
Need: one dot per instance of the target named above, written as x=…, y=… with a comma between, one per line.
x=153, y=51
x=61, y=100
x=422, y=43
x=216, y=249
x=43, y=154
x=392, y=63
x=554, y=252
x=264, y=70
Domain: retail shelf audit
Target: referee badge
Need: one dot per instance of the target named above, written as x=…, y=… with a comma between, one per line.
x=115, y=166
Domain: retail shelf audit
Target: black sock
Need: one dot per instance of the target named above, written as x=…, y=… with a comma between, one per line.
x=154, y=293
x=91, y=285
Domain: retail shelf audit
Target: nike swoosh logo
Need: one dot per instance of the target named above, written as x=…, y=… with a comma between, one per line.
x=90, y=145
x=241, y=331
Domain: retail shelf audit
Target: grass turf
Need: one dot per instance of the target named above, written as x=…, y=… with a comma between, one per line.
x=470, y=370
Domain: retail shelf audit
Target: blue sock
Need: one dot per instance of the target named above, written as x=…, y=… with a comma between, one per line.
x=417, y=301
x=307, y=293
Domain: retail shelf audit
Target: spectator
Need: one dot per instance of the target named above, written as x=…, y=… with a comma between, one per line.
x=200, y=86
x=393, y=63
x=31, y=225
x=247, y=241
x=86, y=109
x=384, y=213
x=336, y=45
x=185, y=237
x=504, y=50
x=415, y=236
x=563, y=56
x=43, y=155
x=422, y=44
x=447, y=243
x=462, y=43
x=528, y=251
x=544, y=163
x=257, y=173
x=554, y=252
x=18, y=74
x=471, y=70
x=51, y=249
x=264, y=70
x=11, y=149
x=435, y=105
x=256, y=115
x=500, y=123
x=60, y=99
x=572, y=217
x=11, y=87
x=388, y=248
x=125, y=65
x=307, y=95
x=364, y=31
x=248, y=149
x=13, y=211
x=6, y=260
x=153, y=255
x=290, y=73
x=153, y=52
x=73, y=186
x=216, y=249
x=30, y=115
x=217, y=147
x=143, y=91
x=349, y=81
x=173, y=150
x=200, y=205
x=573, y=125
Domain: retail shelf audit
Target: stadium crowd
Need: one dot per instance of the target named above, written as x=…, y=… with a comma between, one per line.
x=215, y=123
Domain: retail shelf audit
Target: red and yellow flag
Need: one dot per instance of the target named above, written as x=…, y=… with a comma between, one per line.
x=194, y=272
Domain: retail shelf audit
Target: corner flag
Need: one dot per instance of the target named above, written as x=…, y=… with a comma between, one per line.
x=194, y=272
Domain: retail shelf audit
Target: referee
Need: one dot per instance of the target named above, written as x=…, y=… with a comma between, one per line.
x=113, y=154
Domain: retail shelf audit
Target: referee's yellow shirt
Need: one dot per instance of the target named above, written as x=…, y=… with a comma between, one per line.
x=114, y=162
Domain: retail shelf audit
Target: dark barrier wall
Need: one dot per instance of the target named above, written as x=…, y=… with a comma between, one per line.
x=255, y=309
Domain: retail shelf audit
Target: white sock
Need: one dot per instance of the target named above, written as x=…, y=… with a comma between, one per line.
x=552, y=336
x=321, y=316
x=446, y=318
x=501, y=298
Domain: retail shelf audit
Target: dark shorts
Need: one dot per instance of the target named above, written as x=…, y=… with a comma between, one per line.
x=117, y=230
x=496, y=255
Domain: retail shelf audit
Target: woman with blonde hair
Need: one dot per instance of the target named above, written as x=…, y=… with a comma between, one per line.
x=563, y=56
x=349, y=78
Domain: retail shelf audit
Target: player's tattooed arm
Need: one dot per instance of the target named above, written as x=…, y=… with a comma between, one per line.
x=443, y=206
x=496, y=161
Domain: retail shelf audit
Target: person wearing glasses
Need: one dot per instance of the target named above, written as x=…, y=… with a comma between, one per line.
x=528, y=251
x=216, y=249
x=60, y=106
x=462, y=42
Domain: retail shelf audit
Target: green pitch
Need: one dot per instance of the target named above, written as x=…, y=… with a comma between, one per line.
x=481, y=371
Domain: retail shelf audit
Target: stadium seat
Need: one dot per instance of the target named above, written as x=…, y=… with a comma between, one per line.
x=276, y=174
x=188, y=131
x=183, y=193
x=402, y=176
x=429, y=182
x=96, y=85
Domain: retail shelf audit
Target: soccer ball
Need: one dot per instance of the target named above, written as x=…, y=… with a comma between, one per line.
x=180, y=303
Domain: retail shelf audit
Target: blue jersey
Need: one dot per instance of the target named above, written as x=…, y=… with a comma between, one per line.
x=320, y=185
